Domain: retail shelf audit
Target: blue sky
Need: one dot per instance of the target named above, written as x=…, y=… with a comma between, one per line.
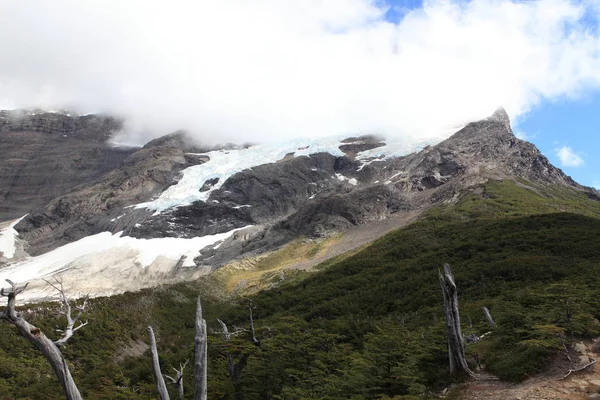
x=572, y=124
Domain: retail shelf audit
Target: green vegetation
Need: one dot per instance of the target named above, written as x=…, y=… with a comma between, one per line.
x=365, y=326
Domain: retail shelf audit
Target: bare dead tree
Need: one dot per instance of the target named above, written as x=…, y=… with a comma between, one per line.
x=46, y=346
x=234, y=369
x=488, y=315
x=456, y=350
x=254, y=339
x=178, y=379
x=200, y=355
x=160, y=381
x=225, y=330
x=67, y=333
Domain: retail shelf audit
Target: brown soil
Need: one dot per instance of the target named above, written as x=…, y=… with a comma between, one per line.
x=577, y=386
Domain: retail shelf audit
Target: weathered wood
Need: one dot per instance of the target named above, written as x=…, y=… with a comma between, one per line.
x=200, y=355
x=46, y=346
x=234, y=369
x=178, y=379
x=71, y=321
x=160, y=381
x=230, y=363
x=586, y=366
x=254, y=339
x=488, y=315
x=456, y=350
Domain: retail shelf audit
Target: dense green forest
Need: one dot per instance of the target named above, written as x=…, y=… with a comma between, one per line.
x=367, y=326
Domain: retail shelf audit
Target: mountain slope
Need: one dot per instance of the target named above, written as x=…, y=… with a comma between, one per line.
x=170, y=195
x=45, y=155
x=371, y=325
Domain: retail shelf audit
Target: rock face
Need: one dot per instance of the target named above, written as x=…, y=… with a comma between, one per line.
x=102, y=205
x=45, y=155
x=315, y=196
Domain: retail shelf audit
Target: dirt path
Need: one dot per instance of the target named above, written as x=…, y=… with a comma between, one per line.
x=578, y=386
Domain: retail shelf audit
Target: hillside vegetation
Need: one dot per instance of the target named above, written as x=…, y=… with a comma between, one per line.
x=366, y=326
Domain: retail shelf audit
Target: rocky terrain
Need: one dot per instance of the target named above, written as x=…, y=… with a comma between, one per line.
x=174, y=190
x=45, y=155
x=580, y=385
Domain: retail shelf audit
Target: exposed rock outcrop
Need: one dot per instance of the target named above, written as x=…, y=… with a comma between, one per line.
x=45, y=155
x=102, y=205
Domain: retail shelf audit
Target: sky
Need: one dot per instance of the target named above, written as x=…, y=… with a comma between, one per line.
x=264, y=70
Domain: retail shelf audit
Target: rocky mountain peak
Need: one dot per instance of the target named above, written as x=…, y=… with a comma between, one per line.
x=253, y=199
x=501, y=115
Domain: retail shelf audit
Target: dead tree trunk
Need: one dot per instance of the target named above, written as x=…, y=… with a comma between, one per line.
x=235, y=369
x=254, y=339
x=160, y=381
x=488, y=315
x=178, y=379
x=456, y=350
x=45, y=345
x=200, y=355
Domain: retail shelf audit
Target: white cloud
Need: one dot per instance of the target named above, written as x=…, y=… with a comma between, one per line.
x=568, y=158
x=596, y=184
x=239, y=70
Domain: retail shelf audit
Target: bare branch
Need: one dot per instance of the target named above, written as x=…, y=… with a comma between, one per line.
x=592, y=362
x=45, y=345
x=224, y=330
x=67, y=333
x=81, y=325
x=566, y=350
x=178, y=380
x=14, y=290
x=488, y=315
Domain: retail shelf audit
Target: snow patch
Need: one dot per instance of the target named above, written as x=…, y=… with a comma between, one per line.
x=8, y=237
x=398, y=147
x=102, y=246
x=223, y=164
x=343, y=178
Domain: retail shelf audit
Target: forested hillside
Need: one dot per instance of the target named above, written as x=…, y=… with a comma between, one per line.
x=367, y=326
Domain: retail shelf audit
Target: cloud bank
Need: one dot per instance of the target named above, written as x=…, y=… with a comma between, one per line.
x=237, y=70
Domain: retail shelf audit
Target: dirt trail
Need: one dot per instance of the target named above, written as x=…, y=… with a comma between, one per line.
x=578, y=386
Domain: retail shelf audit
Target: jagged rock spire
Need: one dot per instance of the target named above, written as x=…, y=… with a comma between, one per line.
x=501, y=115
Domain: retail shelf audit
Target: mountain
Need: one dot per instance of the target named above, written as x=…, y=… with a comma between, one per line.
x=45, y=155
x=174, y=210
x=340, y=269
